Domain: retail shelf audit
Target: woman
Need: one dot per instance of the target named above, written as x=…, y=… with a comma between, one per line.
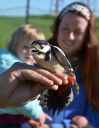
x=74, y=32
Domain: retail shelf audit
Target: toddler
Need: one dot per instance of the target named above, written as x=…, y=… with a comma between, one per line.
x=19, y=51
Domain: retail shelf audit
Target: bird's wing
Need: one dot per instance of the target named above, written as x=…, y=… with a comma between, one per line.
x=57, y=102
x=61, y=57
x=65, y=63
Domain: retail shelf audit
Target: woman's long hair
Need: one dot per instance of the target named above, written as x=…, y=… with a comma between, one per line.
x=90, y=65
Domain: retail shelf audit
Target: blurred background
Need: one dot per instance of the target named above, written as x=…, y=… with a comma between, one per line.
x=14, y=13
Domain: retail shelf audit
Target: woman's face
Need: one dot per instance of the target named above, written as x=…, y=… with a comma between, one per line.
x=24, y=53
x=71, y=33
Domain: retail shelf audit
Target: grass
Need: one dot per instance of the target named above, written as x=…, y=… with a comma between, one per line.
x=9, y=24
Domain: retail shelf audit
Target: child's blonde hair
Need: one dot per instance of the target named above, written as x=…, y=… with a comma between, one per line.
x=25, y=32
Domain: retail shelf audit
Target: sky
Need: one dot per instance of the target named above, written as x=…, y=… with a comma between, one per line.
x=38, y=7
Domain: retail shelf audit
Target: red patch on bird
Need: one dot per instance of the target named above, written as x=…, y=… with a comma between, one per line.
x=71, y=80
x=63, y=87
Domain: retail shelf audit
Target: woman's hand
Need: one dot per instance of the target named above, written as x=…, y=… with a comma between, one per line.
x=22, y=83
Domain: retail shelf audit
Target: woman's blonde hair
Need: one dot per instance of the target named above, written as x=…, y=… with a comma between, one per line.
x=25, y=32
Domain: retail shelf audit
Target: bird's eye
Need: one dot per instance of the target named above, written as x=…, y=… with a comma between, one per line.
x=42, y=47
x=34, y=51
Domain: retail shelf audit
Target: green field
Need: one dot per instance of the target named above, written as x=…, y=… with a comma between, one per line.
x=9, y=24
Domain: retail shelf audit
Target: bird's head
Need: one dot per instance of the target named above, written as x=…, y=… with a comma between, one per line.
x=41, y=50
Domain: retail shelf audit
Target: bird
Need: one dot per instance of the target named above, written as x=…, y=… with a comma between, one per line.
x=53, y=59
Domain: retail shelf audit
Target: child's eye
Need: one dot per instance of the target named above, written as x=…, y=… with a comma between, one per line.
x=25, y=47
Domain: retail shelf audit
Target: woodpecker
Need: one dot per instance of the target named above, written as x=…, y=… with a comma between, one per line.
x=52, y=58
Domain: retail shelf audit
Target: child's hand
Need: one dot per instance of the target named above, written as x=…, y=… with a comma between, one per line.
x=79, y=122
x=42, y=126
x=33, y=123
x=43, y=118
x=40, y=122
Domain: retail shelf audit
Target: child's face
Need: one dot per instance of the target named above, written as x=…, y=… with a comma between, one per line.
x=24, y=53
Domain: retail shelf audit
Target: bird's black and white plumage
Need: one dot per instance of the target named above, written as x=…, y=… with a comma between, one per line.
x=52, y=58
